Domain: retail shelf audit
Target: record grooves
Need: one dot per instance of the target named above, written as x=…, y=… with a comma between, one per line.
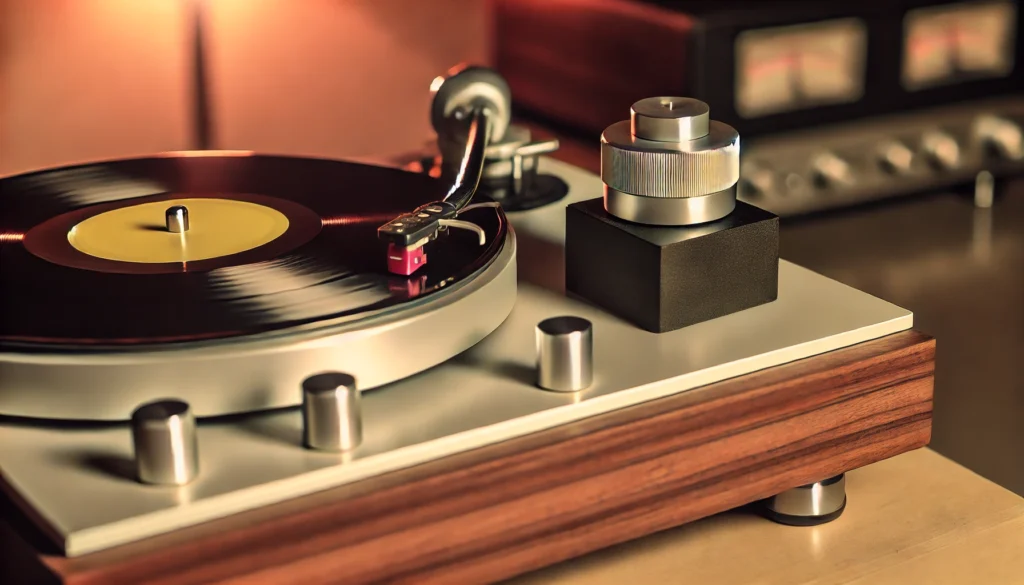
x=327, y=264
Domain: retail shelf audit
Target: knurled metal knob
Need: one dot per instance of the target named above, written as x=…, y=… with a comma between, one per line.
x=670, y=164
x=1004, y=137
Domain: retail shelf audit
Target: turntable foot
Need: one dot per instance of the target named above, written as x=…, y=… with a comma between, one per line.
x=166, y=448
x=809, y=505
x=331, y=415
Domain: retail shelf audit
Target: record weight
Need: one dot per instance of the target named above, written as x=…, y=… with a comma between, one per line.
x=275, y=242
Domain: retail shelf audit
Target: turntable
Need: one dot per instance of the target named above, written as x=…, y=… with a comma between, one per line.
x=233, y=367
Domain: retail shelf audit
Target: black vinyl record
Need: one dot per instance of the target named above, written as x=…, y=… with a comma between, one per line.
x=329, y=263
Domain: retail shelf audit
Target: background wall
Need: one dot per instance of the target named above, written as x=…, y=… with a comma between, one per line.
x=83, y=79
x=88, y=79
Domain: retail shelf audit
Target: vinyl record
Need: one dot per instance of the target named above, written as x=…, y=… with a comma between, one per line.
x=274, y=243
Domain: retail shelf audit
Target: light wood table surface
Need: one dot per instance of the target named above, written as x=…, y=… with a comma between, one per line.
x=914, y=518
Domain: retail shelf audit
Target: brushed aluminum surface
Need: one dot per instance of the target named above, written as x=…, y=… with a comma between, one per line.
x=815, y=499
x=483, y=396
x=565, y=354
x=670, y=119
x=264, y=372
x=165, y=445
x=331, y=414
x=669, y=212
x=691, y=168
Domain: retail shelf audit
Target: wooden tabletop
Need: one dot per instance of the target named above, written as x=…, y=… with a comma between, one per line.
x=915, y=518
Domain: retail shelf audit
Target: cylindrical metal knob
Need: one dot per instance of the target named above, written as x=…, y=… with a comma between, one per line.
x=895, y=157
x=1002, y=136
x=811, y=504
x=942, y=150
x=166, y=447
x=177, y=219
x=670, y=164
x=670, y=119
x=565, y=348
x=331, y=414
x=831, y=171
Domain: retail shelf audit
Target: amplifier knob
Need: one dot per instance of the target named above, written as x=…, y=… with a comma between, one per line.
x=565, y=354
x=895, y=157
x=942, y=150
x=757, y=181
x=831, y=170
x=1001, y=136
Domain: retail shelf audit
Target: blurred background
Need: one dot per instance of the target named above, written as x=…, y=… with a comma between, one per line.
x=887, y=136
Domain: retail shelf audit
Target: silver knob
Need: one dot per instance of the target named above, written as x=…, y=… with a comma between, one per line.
x=565, y=348
x=830, y=170
x=331, y=413
x=1001, y=135
x=177, y=219
x=942, y=150
x=758, y=180
x=166, y=447
x=895, y=157
x=670, y=164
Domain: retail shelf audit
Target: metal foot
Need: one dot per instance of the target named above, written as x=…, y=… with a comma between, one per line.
x=809, y=505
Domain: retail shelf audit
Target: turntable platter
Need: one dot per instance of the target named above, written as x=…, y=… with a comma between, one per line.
x=274, y=242
x=276, y=272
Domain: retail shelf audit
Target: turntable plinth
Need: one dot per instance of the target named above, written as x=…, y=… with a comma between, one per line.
x=525, y=503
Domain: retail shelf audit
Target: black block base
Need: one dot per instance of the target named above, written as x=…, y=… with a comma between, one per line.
x=665, y=278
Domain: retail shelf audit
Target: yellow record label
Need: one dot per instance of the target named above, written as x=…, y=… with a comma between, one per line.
x=217, y=227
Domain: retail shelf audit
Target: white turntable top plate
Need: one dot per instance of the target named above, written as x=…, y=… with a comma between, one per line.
x=70, y=477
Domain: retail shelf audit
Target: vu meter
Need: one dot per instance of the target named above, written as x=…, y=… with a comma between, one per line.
x=766, y=68
x=790, y=68
x=959, y=42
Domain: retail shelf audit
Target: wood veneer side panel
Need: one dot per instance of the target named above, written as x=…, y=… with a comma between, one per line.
x=633, y=501
x=865, y=403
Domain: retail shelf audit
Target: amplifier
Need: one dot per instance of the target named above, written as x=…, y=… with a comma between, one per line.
x=837, y=102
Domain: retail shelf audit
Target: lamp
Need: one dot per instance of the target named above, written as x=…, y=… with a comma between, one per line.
x=200, y=94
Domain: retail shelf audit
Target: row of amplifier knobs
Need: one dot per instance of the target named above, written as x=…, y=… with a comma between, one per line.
x=167, y=447
x=1001, y=137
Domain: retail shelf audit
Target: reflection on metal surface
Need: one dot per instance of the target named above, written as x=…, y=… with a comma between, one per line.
x=813, y=500
x=984, y=189
x=331, y=415
x=165, y=443
x=565, y=354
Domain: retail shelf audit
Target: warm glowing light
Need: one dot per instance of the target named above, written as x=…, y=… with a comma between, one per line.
x=436, y=83
x=378, y=218
x=8, y=237
x=204, y=153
